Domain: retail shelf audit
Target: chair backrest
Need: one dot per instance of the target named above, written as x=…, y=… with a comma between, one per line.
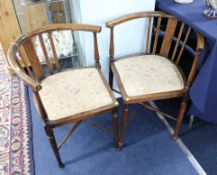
x=166, y=36
x=23, y=53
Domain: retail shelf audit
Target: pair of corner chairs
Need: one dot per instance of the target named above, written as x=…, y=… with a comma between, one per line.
x=73, y=96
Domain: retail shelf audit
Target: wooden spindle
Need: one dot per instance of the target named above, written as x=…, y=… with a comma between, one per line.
x=111, y=47
x=44, y=49
x=148, y=35
x=96, y=50
x=168, y=37
x=183, y=45
x=54, y=51
x=156, y=35
x=177, y=41
x=111, y=57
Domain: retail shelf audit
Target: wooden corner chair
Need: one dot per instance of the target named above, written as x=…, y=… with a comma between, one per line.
x=156, y=73
x=62, y=97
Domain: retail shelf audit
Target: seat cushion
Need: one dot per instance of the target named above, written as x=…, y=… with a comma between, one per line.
x=148, y=74
x=72, y=92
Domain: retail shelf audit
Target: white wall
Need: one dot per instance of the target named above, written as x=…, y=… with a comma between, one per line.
x=128, y=37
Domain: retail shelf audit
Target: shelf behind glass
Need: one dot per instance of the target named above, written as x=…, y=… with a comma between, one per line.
x=24, y=3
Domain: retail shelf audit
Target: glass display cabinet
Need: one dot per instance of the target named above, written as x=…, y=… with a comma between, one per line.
x=33, y=14
x=36, y=13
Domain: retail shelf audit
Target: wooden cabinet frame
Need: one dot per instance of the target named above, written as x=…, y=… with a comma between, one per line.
x=9, y=29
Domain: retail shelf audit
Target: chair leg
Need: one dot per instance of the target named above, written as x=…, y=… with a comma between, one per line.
x=115, y=127
x=52, y=140
x=111, y=77
x=180, y=117
x=124, y=125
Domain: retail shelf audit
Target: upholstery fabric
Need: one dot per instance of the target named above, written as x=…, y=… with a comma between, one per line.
x=147, y=74
x=72, y=92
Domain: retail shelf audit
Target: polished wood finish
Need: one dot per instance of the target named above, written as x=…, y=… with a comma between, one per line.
x=49, y=65
x=96, y=50
x=125, y=119
x=133, y=16
x=183, y=45
x=157, y=110
x=168, y=37
x=177, y=42
x=54, y=52
x=68, y=134
x=33, y=58
x=156, y=35
x=115, y=124
x=32, y=74
x=148, y=35
x=53, y=143
x=167, y=40
x=111, y=56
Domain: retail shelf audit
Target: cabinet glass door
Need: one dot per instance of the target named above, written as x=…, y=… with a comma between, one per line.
x=33, y=14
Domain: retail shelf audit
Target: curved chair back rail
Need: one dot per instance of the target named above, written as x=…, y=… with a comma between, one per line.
x=166, y=35
x=30, y=69
x=137, y=15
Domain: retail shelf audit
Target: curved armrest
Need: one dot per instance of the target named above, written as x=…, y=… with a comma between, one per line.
x=200, y=42
x=27, y=79
x=68, y=26
x=199, y=49
x=133, y=16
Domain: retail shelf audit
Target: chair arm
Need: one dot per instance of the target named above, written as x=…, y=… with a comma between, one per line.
x=27, y=79
x=68, y=26
x=200, y=47
x=137, y=15
x=200, y=42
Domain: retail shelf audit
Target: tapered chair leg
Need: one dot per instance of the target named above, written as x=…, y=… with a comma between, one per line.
x=52, y=140
x=180, y=117
x=124, y=125
x=115, y=127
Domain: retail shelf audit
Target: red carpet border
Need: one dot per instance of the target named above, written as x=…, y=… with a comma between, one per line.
x=15, y=125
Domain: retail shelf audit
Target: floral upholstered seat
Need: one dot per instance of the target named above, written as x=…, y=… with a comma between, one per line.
x=148, y=74
x=72, y=92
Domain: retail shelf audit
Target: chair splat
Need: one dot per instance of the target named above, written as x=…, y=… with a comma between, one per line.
x=168, y=37
x=34, y=61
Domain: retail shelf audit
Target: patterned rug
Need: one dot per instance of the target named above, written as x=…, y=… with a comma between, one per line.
x=15, y=125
